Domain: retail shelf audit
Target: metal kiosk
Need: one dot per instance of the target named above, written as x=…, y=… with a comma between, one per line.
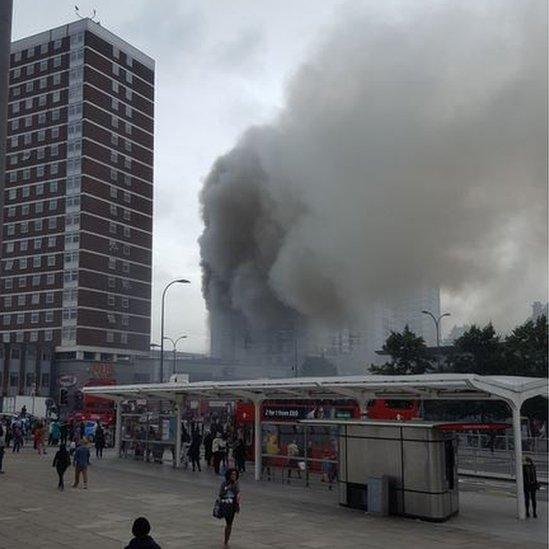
x=410, y=464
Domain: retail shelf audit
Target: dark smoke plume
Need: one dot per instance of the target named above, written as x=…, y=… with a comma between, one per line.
x=411, y=151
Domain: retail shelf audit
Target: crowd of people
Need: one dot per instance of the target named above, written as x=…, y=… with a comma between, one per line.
x=71, y=440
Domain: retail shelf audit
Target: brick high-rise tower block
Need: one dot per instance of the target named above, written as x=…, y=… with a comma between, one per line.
x=77, y=221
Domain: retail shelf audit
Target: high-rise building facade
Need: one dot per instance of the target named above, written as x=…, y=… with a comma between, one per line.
x=77, y=221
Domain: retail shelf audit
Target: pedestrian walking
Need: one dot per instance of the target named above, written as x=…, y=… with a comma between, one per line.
x=194, y=450
x=81, y=462
x=3, y=431
x=229, y=500
x=208, y=440
x=99, y=441
x=292, y=451
x=531, y=485
x=239, y=454
x=55, y=433
x=63, y=433
x=17, y=438
x=218, y=449
x=38, y=437
x=142, y=540
x=61, y=462
x=9, y=434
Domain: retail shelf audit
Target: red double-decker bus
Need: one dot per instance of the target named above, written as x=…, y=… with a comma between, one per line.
x=280, y=420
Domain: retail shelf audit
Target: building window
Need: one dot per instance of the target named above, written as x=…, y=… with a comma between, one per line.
x=125, y=302
x=124, y=338
x=34, y=318
x=21, y=300
x=48, y=335
x=49, y=298
x=110, y=337
x=36, y=280
x=52, y=223
x=20, y=318
x=112, y=227
x=8, y=301
x=35, y=300
x=111, y=319
x=56, y=79
x=7, y=320
x=50, y=279
x=111, y=282
x=38, y=224
x=22, y=281
x=112, y=263
x=49, y=316
x=127, y=232
x=37, y=261
x=22, y=263
x=8, y=284
x=113, y=210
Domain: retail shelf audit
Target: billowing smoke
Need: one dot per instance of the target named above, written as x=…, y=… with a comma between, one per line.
x=411, y=151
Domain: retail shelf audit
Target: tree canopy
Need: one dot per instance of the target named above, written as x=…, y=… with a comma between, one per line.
x=408, y=354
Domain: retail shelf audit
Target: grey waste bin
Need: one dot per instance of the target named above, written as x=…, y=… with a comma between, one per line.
x=378, y=495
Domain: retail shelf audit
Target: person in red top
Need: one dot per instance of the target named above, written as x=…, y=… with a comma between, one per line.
x=39, y=439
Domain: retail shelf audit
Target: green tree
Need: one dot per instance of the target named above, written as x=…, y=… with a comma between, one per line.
x=408, y=354
x=526, y=349
x=478, y=351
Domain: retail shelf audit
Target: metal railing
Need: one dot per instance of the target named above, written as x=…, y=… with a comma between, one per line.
x=482, y=455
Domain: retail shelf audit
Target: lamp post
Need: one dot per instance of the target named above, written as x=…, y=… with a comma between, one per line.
x=437, y=320
x=174, y=343
x=177, y=281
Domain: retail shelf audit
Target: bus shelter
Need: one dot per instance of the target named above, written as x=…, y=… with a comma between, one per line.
x=513, y=390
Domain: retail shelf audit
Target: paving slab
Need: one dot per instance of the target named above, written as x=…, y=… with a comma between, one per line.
x=34, y=514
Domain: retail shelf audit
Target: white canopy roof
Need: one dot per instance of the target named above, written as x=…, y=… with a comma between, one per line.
x=427, y=386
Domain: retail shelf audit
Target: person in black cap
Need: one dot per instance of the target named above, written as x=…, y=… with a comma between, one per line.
x=141, y=540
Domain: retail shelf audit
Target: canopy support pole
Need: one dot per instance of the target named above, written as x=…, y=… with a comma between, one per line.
x=517, y=439
x=257, y=439
x=177, y=456
x=118, y=428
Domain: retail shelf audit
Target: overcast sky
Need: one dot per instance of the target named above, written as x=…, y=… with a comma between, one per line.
x=220, y=67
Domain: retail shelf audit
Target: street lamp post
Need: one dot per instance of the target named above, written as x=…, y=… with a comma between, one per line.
x=177, y=281
x=174, y=343
x=437, y=320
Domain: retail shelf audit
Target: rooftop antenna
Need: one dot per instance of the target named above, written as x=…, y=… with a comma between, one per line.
x=93, y=16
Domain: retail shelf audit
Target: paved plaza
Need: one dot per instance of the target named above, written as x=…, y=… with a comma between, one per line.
x=33, y=514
